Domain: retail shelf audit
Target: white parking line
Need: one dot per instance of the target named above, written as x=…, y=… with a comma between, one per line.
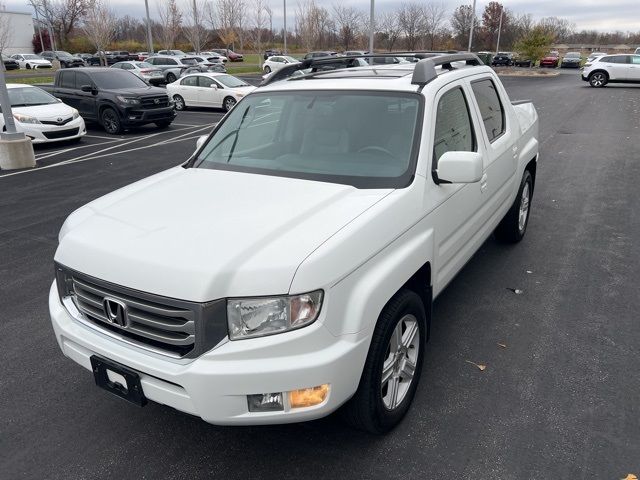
x=101, y=153
x=107, y=138
x=43, y=155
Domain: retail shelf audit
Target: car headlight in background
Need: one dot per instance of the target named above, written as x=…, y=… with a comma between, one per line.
x=128, y=100
x=76, y=114
x=257, y=317
x=25, y=118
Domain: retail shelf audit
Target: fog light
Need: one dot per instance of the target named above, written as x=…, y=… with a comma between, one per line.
x=265, y=402
x=308, y=397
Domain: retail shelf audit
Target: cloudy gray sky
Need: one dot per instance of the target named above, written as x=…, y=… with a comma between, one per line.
x=603, y=15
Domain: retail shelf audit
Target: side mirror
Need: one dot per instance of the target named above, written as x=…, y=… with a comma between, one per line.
x=214, y=86
x=86, y=88
x=459, y=167
x=201, y=140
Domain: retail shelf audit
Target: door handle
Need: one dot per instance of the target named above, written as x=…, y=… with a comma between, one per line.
x=483, y=183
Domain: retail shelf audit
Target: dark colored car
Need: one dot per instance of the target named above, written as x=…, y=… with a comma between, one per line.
x=89, y=59
x=320, y=54
x=571, y=60
x=124, y=56
x=502, y=60
x=523, y=62
x=114, y=98
x=271, y=53
x=10, y=63
x=66, y=59
x=231, y=55
x=550, y=60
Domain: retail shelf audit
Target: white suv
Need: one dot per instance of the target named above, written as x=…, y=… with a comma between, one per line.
x=287, y=269
x=612, y=69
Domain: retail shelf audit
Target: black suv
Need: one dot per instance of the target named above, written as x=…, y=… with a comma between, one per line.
x=9, y=63
x=66, y=59
x=114, y=98
x=501, y=60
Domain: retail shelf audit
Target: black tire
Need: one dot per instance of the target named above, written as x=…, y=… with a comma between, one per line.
x=28, y=66
x=513, y=226
x=366, y=410
x=110, y=121
x=267, y=69
x=163, y=123
x=228, y=103
x=179, y=101
x=598, y=79
x=171, y=78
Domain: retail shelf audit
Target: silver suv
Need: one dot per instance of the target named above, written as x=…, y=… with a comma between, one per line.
x=172, y=66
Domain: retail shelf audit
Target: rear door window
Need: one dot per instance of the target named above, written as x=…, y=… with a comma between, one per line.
x=82, y=79
x=454, y=130
x=490, y=107
x=68, y=79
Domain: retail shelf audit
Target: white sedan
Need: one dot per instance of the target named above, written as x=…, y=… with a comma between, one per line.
x=30, y=60
x=275, y=63
x=208, y=90
x=42, y=117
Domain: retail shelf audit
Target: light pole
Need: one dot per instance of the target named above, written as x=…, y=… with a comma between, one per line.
x=16, y=150
x=196, y=25
x=149, y=37
x=499, y=31
x=371, y=27
x=285, y=27
x=473, y=21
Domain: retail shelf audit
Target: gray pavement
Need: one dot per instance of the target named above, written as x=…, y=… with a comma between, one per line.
x=560, y=401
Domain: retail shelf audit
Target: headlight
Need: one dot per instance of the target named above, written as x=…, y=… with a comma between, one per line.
x=25, y=118
x=76, y=114
x=128, y=100
x=257, y=317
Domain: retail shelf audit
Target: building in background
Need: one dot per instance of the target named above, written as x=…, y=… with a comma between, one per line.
x=16, y=32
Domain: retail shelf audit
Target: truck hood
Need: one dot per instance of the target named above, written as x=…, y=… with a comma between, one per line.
x=134, y=92
x=199, y=234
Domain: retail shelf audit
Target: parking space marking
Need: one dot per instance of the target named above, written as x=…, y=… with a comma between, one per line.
x=102, y=153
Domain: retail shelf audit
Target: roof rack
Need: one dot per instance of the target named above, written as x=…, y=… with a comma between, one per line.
x=424, y=69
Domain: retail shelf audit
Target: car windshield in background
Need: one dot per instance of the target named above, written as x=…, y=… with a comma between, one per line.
x=143, y=65
x=290, y=59
x=64, y=54
x=32, y=57
x=572, y=55
x=29, y=97
x=364, y=139
x=231, y=82
x=114, y=79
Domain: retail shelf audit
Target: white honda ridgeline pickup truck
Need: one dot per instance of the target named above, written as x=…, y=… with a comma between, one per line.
x=288, y=267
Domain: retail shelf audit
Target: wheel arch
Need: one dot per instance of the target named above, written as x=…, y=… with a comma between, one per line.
x=106, y=105
x=532, y=168
x=599, y=70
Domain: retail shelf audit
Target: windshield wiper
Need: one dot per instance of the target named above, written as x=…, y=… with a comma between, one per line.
x=235, y=140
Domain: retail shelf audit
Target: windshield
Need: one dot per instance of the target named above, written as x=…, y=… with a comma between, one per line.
x=63, y=54
x=364, y=139
x=290, y=59
x=231, y=82
x=32, y=57
x=30, y=97
x=573, y=55
x=114, y=79
x=143, y=65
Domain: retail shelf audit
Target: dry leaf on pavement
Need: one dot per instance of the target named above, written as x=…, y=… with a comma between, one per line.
x=479, y=365
x=630, y=476
x=502, y=345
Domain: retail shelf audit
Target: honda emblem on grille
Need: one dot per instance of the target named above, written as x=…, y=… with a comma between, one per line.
x=116, y=312
x=156, y=101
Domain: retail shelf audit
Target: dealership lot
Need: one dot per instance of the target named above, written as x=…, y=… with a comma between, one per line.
x=558, y=399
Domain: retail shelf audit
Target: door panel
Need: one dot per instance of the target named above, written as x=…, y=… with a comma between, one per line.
x=455, y=207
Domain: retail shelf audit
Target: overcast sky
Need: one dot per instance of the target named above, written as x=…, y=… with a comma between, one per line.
x=603, y=15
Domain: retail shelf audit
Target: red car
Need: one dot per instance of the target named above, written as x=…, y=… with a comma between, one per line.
x=550, y=60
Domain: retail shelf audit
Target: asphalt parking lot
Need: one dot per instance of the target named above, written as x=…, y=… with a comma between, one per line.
x=560, y=400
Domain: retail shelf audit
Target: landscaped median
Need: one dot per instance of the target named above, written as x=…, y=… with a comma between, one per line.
x=526, y=72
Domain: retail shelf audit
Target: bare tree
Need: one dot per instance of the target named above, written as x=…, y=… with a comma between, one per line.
x=63, y=15
x=269, y=13
x=559, y=28
x=348, y=22
x=240, y=20
x=222, y=18
x=194, y=29
x=461, y=21
x=313, y=24
x=434, y=18
x=389, y=28
x=258, y=19
x=411, y=21
x=170, y=22
x=99, y=26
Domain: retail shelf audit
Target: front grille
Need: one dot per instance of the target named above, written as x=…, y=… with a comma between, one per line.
x=156, y=101
x=61, y=133
x=54, y=122
x=164, y=325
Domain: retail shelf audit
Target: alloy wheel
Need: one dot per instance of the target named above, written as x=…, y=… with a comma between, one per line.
x=400, y=362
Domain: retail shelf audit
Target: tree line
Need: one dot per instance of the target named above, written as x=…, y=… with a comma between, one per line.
x=248, y=25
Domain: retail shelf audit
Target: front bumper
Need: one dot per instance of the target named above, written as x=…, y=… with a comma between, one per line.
x=215, y=385
x=570, y=65
x=133, y=116
x=42, y=133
